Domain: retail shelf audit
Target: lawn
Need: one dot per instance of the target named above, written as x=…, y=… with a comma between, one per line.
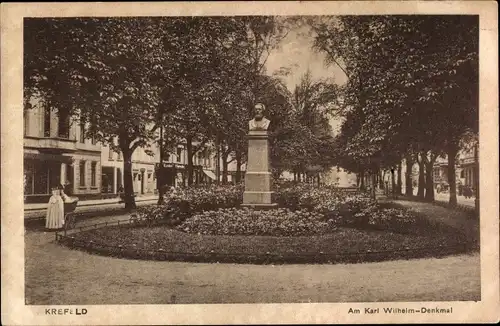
x=342, y=245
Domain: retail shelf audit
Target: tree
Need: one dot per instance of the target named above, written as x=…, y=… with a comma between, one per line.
x=110, y=72
x=314, y=103
x=402, y=86
x=258, y=37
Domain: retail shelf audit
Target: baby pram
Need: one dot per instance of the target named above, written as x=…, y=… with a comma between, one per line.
x=69, y=213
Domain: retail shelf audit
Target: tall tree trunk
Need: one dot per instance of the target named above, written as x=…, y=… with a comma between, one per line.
x=421, y=177
x=476, y=177
x=399, y=185
x=393, y=182
x=160, y=177
x=225, y=165
x=362, y=177
x=429, y=179
x=381, y=179
x=408, y=176
x=374, y=184
x=127, y=179
x=217, y=159
x=452, y=179
x=189, y=147
x=238, y=166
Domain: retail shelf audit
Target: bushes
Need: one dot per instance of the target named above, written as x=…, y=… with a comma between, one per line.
x=208, y=198
x=184, y=202
x=214, y=209
x=288, y=195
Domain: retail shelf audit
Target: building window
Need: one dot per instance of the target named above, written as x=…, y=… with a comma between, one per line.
x=29, y=177
x=110, y=156
x=46, y=122
x=179, y=153
x=39, y=177
x=82, y=173
x=94, y=141
x=41, y=180
x=119, y=155
x=82, y=132
x=63, y=124
x=462, y=174
x=93, y=175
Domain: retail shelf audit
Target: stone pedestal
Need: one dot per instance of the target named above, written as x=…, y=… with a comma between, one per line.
x=257, y=176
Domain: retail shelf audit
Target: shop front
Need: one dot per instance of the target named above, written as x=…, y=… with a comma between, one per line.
x=173, y=175
x=44, y=171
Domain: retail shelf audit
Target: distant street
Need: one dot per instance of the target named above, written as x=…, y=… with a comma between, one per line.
x=461, y=200
x=84, y=207
x=445, y=197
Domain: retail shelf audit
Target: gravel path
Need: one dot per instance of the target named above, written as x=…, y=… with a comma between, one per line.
x=57, y=275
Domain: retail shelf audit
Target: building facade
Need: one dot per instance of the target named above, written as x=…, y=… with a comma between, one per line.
x=56, y=154
x=145, y=169
x=465, y=169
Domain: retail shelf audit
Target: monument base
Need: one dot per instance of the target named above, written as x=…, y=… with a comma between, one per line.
x=257, y=197
x=260, y=206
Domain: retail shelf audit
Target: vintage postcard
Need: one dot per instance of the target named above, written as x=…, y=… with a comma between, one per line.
x=249, y=162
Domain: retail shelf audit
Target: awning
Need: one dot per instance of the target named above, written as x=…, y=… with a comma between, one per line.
x=48, y=157
x=210, y=174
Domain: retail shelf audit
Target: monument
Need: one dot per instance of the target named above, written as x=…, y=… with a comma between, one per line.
x=257, y=176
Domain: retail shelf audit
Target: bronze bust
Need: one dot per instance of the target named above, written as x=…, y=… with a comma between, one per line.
x=259, y=122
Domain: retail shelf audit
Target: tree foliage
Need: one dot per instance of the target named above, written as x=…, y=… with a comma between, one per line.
x=412, y=87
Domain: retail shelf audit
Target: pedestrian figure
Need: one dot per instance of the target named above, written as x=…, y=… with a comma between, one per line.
x=66, y=198
x=55, y=211
x=121, y=194
x=67, y=188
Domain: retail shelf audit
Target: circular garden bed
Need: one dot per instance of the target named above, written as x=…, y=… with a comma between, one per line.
x=347, y=229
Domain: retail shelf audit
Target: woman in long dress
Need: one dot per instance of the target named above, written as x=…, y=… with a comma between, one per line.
x=55, y=211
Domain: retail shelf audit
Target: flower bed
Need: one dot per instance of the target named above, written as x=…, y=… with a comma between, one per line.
x=212, y=210
x=244, y=221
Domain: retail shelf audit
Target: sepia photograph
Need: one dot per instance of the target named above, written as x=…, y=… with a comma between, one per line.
x=253, y=158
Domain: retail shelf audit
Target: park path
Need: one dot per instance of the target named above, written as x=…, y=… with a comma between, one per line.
x=58, y=275
x=455, y=218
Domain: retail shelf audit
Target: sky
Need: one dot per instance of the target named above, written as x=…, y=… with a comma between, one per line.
x=296, y=53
